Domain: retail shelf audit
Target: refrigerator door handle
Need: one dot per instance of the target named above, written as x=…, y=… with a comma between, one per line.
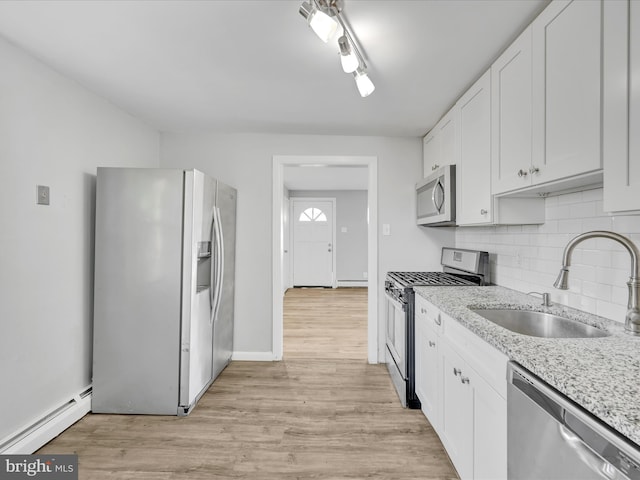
x=219, y=263
x=212, y=279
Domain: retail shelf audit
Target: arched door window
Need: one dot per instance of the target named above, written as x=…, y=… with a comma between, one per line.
x=312, y=215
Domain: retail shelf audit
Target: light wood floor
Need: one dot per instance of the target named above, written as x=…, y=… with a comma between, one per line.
x=319, y=414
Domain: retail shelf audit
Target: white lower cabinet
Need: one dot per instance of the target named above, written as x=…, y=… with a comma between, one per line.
x=457, y=411
x=461, y=382
x=428, y=361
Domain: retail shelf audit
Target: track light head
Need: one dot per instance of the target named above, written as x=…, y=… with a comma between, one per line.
x=322, y=24
x=348, y=57
x=363, y=82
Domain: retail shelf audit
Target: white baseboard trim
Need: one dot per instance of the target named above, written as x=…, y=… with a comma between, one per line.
x=352, y=283
x=48, y=427
x=253, y=356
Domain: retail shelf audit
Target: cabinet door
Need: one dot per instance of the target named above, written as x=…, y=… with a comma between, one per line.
x=621, y=77
x=566, y=90
x=511, y=116
x=430, y=151
x=474, y=168
x=431, y=379
x=489, y=431
x=457, y=411
x=447, y=134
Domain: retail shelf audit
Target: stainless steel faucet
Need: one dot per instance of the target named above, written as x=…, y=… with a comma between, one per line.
x=632, y=318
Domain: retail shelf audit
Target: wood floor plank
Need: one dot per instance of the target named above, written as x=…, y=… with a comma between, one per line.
x=322, y=413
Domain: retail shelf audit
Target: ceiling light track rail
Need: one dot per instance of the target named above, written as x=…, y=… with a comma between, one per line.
x=324, y=16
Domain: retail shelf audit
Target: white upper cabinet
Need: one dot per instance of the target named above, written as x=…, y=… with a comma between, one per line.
x=567, y=38
x=511, y=116
x=473, y=172
x=621, y=147
x=546, y=94
x=439, y=145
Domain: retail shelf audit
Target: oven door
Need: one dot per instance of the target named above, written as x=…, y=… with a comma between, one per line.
x=396, y=333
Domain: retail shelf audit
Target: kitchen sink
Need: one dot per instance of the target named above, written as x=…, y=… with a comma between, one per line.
x=539, y=324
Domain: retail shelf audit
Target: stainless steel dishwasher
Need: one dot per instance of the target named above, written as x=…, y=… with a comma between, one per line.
x=550, y=437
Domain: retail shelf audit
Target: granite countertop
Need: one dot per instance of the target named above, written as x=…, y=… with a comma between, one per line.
x=600, y=374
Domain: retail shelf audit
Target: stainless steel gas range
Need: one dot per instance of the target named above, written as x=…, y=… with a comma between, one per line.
x=460, y=268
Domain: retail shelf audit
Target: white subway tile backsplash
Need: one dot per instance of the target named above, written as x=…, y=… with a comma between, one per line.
x=527, y=258
x=597, y=223
x=619, y=295
x=596, y=290
x=611, y=310
x=582, y=210
x=570, y=198
x=611, y=276
x=570, y=226
x=628, y=224
x=592, y=195
x=549, y=226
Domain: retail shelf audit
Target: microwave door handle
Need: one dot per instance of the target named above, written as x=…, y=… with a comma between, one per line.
x=438, y=202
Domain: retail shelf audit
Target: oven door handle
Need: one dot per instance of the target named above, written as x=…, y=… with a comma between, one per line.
x=396, y=303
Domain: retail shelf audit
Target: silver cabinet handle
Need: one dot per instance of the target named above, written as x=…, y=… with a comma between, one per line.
x=432, y=344
x=522, y=173
x=457, y=371
x=483, y=211
x=533, y=170
x=464, y=379
x=438, y=320
x=435, y=167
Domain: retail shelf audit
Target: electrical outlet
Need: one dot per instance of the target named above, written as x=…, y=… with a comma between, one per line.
x=386, y=229
x=43, y=195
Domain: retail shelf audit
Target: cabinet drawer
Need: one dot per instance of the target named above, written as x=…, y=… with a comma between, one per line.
x=485, y=359
x=428, y=314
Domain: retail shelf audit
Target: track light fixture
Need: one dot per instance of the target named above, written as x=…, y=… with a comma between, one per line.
x=323, y=16
x=322, y=24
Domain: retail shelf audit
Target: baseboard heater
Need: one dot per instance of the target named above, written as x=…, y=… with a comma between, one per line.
x=29, y=439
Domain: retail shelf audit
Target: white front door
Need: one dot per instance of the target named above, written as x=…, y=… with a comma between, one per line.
x=313, y=248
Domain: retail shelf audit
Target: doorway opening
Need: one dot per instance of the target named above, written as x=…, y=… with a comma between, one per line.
x=364, y=297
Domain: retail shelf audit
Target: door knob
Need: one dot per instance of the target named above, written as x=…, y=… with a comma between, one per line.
x=456, y=371
x=435, y=167
x=533, y=170
x=483, y=211
x=522, y=173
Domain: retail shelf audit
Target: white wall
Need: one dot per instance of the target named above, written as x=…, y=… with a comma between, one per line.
x=528, y=258
x=351, y=246
x=55, y=133
x=245, y=161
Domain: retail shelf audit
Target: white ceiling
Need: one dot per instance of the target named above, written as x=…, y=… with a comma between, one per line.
x=255, y=66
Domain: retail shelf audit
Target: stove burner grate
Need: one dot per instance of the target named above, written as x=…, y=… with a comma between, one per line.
x=415, y=279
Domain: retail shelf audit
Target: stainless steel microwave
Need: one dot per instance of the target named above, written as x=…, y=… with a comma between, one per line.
x=436, y=198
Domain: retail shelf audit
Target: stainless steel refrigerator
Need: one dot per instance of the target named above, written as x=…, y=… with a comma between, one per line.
x=164, y=288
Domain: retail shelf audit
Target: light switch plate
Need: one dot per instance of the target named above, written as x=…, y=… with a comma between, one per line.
x=43, y=195
x=343, y=229
x=386, y=229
